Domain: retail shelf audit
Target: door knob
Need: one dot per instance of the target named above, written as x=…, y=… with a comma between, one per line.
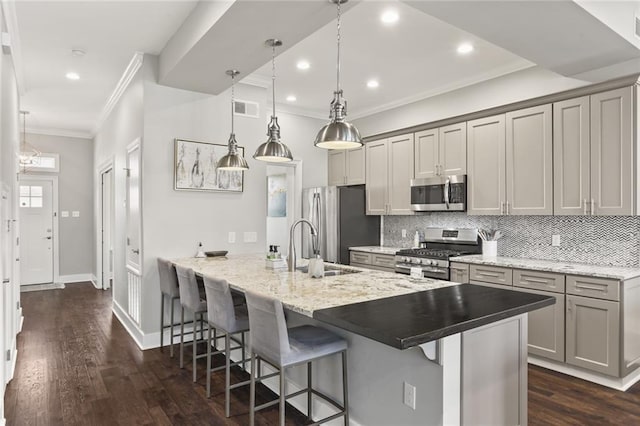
x=136, y=251
x=48, y=238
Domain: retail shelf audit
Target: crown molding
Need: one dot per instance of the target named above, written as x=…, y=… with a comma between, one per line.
x=304, y=112
x=11, y=20
x=134, y=65
x=52, y=131
x=495, y=73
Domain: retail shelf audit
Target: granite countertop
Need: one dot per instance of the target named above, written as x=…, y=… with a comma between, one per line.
x=412, y=319
x=376, y=249
x=303, y=294
x=614, y=272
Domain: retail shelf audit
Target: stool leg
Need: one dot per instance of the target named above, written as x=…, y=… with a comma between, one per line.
x=171, y=341
x=201, y=326
x=309, y=415
x=161, y=320
x=252, y=391
x=195, y=341
x=227, y=382
x=282, y=398
x=181, y=336
x=345, y=389
x=209, y=362
x=244, y=354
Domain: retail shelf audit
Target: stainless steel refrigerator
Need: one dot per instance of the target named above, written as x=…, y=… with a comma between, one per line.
x=339, y=214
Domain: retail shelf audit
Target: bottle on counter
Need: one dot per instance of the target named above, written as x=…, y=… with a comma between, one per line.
x=416, y=240
x=276, y=253
x=200, y=252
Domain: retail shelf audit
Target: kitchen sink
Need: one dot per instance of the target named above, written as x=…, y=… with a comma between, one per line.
x=331, y=271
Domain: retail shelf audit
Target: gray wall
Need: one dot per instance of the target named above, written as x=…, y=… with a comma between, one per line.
x=601, y=240
x=75, y=192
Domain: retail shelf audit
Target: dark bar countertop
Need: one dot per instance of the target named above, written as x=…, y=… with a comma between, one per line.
x=411, y=319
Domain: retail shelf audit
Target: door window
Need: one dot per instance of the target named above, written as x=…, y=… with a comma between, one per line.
x=31, y=196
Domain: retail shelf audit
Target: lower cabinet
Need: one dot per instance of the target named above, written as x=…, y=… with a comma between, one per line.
x=379, y=262
x=593, y=334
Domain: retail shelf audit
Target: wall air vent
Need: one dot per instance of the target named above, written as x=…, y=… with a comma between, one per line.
x=246, y=109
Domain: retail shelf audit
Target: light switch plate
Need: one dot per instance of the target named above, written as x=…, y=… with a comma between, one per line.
x=250, y=237
x=404, y=233
x=232, y=237
x=409, y=395
x=75, y=213
x=64, y=213
x=555, y=240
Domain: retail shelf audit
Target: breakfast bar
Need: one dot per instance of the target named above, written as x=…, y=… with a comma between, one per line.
x=421, y=351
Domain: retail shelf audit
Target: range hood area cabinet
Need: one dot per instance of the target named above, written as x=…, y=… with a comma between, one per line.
x=346, y=167
x=510, y=163
x=441, y=151
x=593, y=154
x=389, y=165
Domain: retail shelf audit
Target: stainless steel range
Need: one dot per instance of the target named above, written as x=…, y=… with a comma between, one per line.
x=439, y=245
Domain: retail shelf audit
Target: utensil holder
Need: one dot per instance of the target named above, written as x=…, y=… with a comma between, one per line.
x=489, y=248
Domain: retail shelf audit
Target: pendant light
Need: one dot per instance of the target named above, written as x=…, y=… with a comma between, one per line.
x=273, y=150
x=233, y=160
x=28, y=154
x=338, y=133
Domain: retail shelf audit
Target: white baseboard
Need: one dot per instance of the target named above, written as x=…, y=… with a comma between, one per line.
x=3, y=422
x=94, y=281
x=76, y=278
x=129, y=325
x=21, y=319
x=621, y=384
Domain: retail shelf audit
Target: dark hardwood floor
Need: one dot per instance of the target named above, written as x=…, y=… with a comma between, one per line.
x=78, y=366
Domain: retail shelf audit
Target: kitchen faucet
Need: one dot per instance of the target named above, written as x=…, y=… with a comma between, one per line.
x=291, y=260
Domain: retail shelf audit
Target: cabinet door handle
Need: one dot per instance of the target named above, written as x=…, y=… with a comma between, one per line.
x=584, y=208
x=489, y=274
x=602, y=289
x=6, y=281
x=536, y=280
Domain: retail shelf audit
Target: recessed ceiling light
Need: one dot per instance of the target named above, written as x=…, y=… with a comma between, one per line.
x=73, y=76
x=372, y=84
x=389, y=16
x=291, y=98
x=465, y=48
x=303, y=65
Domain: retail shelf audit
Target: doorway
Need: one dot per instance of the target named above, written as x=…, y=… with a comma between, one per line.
x=107, y=213
x=284, y=206
x=38, y=203
x=134, y=232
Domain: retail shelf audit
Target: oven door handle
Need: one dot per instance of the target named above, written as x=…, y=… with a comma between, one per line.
x=447, y=192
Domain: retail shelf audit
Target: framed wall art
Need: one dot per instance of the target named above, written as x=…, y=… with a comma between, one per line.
x=195, y=168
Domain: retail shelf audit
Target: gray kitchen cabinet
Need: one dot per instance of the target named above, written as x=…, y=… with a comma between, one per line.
x=377, y=177
x=593, y=334
x=491, y=274
x=459, y=272
x=539, y=280
x=529, y=161
x=376, y=261
x=389, y=168
x=486, y=164
x=347, y=167
x=571, y=157
x=612, y=159
x=441, y=152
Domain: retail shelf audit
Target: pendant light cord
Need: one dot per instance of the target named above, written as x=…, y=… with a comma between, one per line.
x=233, y=82
x=273, y=78
x=338, y=62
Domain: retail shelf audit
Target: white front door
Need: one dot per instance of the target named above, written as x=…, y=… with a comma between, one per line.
x=36, y=231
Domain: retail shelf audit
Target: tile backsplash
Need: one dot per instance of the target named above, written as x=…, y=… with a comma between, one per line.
x=601, y=240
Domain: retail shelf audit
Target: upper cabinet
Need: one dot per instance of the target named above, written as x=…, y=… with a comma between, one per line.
x=510, y=163
x=593, y=154
x=389, y=170
x=441, y=151
x=347, y=167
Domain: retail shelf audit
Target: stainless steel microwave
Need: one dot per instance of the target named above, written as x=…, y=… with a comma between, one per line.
x=439, y=194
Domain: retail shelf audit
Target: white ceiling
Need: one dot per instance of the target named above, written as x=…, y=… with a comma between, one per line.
x=110, y=33
x=412, y=59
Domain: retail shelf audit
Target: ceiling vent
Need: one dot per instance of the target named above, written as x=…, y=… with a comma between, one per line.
x=246, y=109
x=637, y=26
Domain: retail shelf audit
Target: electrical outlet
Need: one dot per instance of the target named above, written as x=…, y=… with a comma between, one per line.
x=250, y=237
x=75, y=213
x=409, y=395
x=232, y=237
x=64, y=213
x=404, y=233
x=555, y=240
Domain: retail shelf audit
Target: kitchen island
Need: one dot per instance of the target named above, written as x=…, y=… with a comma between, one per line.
x=463, y=354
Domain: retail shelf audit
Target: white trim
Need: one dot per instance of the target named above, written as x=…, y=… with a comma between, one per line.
x=621, y=384
x=102, y=169
x=11, y=20
x=56, y=227
x=3, y=422
x=256, y=80
x=52, y=131
x=304, y=112
x=76, y=278
x=499, y=72
x=134, y=65
x=94, y=281
x=21, y=319
x=129, y=324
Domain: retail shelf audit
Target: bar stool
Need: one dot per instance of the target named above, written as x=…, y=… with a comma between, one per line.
x=224, y=316
x=168, y=290
x=280, y=347
x=190, y=299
